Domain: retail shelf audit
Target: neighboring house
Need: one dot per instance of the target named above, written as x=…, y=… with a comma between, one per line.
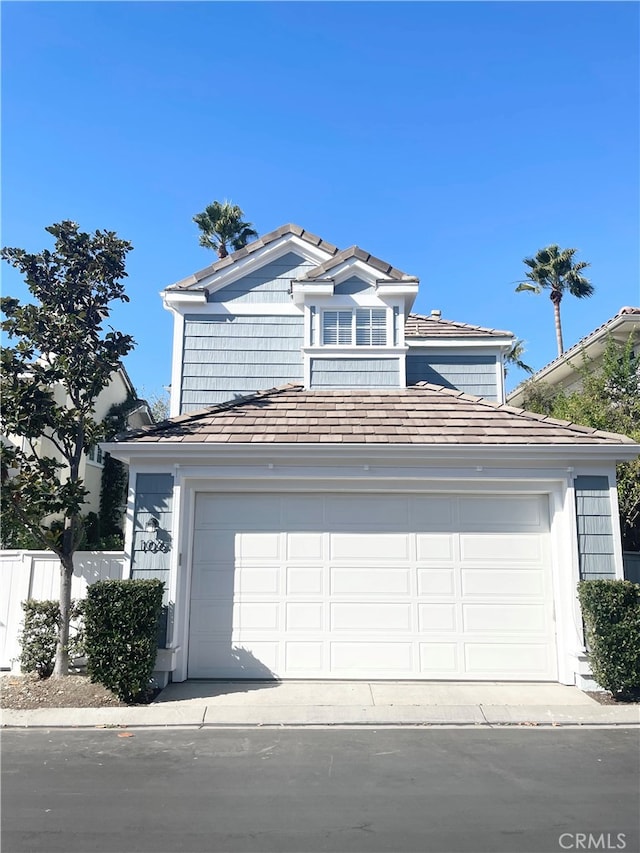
x=563, y=372
x=117, y=392
x=374, y=510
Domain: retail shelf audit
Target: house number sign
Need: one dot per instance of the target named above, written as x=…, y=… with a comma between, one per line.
x=153, y=546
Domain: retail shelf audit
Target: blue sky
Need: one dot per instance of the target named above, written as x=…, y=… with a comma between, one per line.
x=450, y=139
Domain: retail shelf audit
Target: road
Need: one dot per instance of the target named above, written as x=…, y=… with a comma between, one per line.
x=298, y=791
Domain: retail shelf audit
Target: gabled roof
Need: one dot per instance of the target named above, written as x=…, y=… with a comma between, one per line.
x=421, y=326
x=421, y=414
x=192, y=281
x=389, y=272
x=620, y=326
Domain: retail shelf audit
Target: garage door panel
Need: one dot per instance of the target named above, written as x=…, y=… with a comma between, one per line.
x=213, y=582
x=373, y=586
x=435, y=547
x=305, y=546
x=304, y=656
x=236, y=512
x=367, y=656
x=514, y=618
x=501, y=548
x=367, y=511
x=370, y=617
x=253, y=616
x=437, y=618
x=304, y=616
x=258, y=546
x=439, y=658
x=497, y=514
x=523, y=583
x=302, y=512
x=520, y=660
x=212, y=616
x=214, y=544
x=373, y=581
x=256, y=581
x=436, y=582
x=304, y=581
x=431, y=513
x=365, y=547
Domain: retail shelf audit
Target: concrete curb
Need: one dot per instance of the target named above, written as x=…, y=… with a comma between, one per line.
x=203, y=715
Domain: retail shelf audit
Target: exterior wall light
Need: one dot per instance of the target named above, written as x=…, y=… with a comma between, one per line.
x=152, y=526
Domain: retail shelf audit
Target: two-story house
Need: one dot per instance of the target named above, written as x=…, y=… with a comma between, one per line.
x=342, y=493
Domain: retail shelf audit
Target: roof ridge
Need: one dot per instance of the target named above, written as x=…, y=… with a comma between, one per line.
x=356, y=251
x=251, y=247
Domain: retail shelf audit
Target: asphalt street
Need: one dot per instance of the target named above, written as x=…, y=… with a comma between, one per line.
x=298, y=791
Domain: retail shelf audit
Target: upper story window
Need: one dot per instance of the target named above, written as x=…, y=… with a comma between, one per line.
x=95, y=455
x=364, y=327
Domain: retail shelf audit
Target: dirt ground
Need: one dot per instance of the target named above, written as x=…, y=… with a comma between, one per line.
x=26, y=692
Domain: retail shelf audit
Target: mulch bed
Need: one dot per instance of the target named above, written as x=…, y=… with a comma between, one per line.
x=606, y=698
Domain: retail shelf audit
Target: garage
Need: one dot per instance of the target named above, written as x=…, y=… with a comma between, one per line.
x=371, y=586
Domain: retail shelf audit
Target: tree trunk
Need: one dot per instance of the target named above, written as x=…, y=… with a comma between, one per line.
x=62, y=649
x=556, y=298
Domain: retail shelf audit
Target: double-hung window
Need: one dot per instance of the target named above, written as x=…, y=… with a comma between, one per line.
x=364, y=327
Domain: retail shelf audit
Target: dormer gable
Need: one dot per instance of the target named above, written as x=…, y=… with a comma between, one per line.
x=287, y=240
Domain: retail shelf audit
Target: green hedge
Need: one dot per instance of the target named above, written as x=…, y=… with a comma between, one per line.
x=39, y=636
x=611, y=613
x=121, y=627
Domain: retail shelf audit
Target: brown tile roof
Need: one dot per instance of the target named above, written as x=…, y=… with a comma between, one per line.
x=385, y=269
x=421, y=414
x=192, y=281
x=421, y=326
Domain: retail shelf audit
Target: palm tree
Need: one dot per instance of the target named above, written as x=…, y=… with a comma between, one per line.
x=222, y=227
x=553, y=269
x=514, y=357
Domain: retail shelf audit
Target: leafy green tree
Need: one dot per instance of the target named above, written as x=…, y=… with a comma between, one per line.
x=61, y=359
x=609, y=400
x=222, y=226
x=553, y=269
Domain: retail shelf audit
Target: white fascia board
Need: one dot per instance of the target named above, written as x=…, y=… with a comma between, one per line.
x=435, y=344
x=301, y=290
x=251, y=263
x=236, y=309
x=172, y=298
x=176, y=364
x=399, y=288
x=477, y=455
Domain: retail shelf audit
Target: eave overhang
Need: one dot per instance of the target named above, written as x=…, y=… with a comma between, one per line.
x=213, y=453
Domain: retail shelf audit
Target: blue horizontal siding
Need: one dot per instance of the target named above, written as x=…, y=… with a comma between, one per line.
x=352, y=285
x=154, y=498
x=595, y=529
x=472, y=374
x=270, y=283
x=355, y=373
x=226, y=357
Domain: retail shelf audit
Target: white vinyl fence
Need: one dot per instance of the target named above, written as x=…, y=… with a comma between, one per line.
x=36, y=574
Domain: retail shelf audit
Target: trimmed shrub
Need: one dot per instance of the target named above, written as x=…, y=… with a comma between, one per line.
x=39, y=636
x=121, y=629
x=611, y=613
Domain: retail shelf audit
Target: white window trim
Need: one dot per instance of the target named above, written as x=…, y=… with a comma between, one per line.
x=353, y=311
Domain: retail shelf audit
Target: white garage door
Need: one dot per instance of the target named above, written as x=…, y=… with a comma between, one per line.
x=371, y=586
